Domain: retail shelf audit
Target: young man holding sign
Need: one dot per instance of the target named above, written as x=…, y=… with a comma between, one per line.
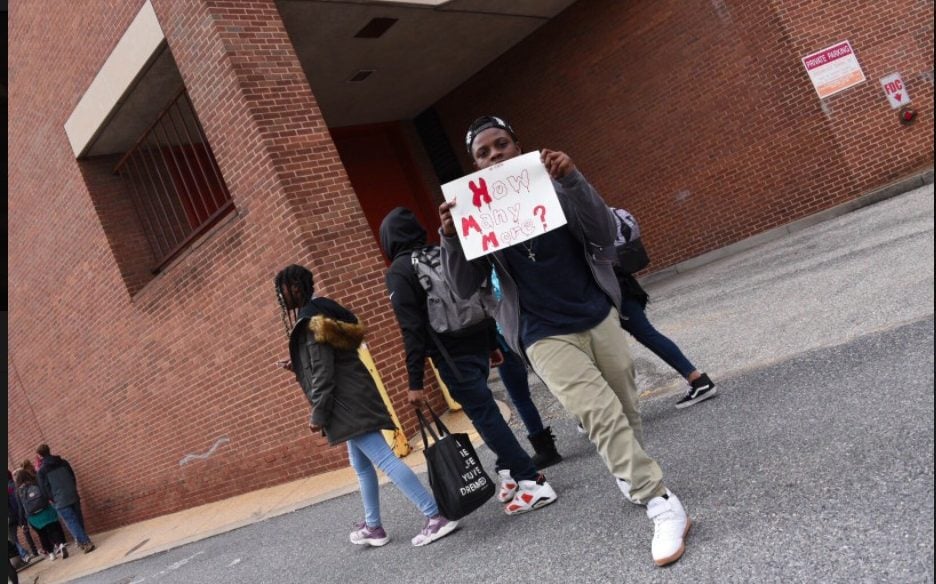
x=560, y=308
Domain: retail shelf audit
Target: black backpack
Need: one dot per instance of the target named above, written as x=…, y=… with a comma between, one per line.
x=631, y=253
x=34, y=501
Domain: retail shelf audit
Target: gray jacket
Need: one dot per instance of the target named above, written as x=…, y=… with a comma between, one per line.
x=57, y=481
x=590, y=222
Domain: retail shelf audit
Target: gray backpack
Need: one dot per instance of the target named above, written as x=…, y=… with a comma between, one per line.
x=448, y=313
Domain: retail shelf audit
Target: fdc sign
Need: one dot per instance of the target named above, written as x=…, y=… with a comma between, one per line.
x=895, y=90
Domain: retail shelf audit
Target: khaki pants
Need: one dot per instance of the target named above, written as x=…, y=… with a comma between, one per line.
x=592, y=375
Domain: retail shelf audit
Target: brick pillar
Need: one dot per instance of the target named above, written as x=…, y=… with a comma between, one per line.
x=281, y=167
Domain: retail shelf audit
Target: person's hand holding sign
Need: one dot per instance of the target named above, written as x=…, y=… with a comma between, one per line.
x=445, y=217
x=558, y=164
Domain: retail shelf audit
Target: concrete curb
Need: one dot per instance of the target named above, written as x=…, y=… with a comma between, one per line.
x=892, y=190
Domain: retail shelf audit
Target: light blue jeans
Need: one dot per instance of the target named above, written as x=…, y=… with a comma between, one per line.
x=370, y=450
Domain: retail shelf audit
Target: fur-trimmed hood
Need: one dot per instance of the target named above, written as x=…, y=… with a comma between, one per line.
x=344, y=336
x=330, y=323
x=344, y=396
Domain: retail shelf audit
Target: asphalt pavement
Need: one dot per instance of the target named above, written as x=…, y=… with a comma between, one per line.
x=813, y=464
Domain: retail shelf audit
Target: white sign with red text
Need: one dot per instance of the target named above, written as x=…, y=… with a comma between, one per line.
x=895, y=90
x=833, y=69
x=503, y=205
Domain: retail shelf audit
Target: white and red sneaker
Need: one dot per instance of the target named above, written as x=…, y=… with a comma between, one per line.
x=531, y=495
x=508, y=486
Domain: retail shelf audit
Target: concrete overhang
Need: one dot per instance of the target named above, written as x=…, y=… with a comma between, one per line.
x=130, y=59
x=431, y=49
x=424, y=50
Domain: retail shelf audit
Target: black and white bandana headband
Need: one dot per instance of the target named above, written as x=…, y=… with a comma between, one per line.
x=486, y=123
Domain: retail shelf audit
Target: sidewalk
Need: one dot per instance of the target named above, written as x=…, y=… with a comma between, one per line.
x=146, y=538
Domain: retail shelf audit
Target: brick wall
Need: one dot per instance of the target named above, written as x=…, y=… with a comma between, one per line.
x=698, y=115
x=126, y=379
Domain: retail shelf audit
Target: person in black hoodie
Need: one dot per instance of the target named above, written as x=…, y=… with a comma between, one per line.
x=464, y=369
x=346, y=406
x=57, y=480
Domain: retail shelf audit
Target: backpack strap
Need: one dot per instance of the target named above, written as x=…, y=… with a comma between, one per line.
x=417, y=257
x=421, y=256
x=624, y=228
x=445, y=354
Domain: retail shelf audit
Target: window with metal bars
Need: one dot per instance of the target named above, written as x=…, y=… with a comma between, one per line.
x=174, y=181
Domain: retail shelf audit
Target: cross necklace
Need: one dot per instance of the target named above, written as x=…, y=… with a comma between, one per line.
x=529, y=248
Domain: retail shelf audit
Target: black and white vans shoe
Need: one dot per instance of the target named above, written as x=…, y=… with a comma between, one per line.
x=699, y=390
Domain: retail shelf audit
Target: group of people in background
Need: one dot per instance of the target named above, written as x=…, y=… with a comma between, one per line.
x=39, y=496
x=561, y=309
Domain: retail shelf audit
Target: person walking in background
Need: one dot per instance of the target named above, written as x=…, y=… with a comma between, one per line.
x=462, y=358
x=346, y=405
x=17, y=519
x=513, y=374
x=560, y=305
x=58, y=482
x=634, y=317
x=40, y=513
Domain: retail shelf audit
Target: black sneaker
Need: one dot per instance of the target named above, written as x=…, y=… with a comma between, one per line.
x=700, y=390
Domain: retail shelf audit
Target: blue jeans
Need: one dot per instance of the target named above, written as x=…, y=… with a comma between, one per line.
x=22, y=552
x=371, y=450
x=641, y=329
x=74, y=521
x=473, y=393
x=514, y=375
x=14, y=532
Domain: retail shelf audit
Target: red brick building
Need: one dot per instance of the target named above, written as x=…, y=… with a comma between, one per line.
x=167, y=157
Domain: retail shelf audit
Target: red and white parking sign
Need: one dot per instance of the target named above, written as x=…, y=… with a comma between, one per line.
x=833, y=69
x=895, y=90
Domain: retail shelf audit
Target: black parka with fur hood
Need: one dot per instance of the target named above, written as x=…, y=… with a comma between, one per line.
x=323, y=348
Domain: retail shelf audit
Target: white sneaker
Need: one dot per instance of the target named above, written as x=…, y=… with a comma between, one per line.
x=670, y=526
x=51, y=557
x=508, y=486
x=531, y=495
x=62, y=550
x=436, y=528
x=625, y=490
x=373, y=536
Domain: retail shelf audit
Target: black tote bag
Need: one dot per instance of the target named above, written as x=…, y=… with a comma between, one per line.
x=459, y=483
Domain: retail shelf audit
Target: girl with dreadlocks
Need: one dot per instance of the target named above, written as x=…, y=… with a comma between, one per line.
x=346, y=405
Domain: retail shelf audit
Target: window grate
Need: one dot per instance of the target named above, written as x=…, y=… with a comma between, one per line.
x=175, y=183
